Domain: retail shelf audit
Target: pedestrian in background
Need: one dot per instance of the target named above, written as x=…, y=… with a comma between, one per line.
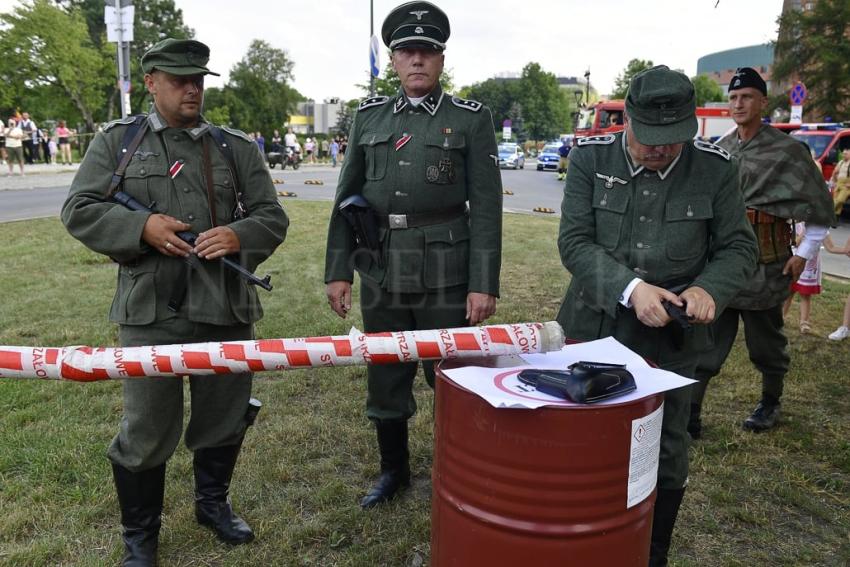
x=14, y=145
x=323, y=148
x=64, y=140
x=261, y=143
x=2, y=143
x=29, y=142
x=840, y=182
x=843, y=331
x=334, y=150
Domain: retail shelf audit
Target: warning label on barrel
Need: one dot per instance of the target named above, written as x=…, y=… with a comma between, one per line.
x=643, y=457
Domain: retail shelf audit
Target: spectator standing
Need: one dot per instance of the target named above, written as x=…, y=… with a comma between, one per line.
x=30, y=138
x=325, y=146
x=276, y=141
x=843, y=331
x=334, y=149
x=807, y=285
x=43, y=139
x=52, y=148
x=289, y=139
x=343, y=145
x=310, y=148
x=2, y=143
x=64, y=140
x=261, y=143
x=840, y=181
x=14, y=145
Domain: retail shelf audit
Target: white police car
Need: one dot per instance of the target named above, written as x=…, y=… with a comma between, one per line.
x=511, y=155
x=548, y=157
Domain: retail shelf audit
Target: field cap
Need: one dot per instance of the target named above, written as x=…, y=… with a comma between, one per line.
x=747, y=77
x=416, y=24
x=661, y=106
x=178, y=57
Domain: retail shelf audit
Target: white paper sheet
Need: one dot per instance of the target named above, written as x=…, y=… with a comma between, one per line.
x=501, y=388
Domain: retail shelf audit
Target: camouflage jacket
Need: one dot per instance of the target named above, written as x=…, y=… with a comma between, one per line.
x=779, y=176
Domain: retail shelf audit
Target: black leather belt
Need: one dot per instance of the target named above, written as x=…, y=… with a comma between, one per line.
x=393, y=221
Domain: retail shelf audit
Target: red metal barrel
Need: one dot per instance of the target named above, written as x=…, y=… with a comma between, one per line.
x=542, y=487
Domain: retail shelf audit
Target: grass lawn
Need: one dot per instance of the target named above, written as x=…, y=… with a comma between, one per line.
x=781, y=498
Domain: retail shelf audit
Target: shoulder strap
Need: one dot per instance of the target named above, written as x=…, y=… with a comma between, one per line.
x=129, y=144
x=227, y=152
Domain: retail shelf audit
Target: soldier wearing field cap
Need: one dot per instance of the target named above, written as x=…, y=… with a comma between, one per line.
x=422, y=169
x=650, y=217
x=780, y=182
x=210, y=181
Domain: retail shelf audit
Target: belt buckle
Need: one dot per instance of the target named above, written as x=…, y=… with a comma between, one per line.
x=398, y=221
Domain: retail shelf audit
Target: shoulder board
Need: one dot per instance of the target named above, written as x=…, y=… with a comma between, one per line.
x=126, y=121
x=712, y=149
x=470, y=105
x=374, y=101
x=237, y=133
x=596, y=140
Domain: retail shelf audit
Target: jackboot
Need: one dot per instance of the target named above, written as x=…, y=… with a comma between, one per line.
x=667, y=502
x=695, y=422
x=140, y=496
x=395, y=468
x=213, y=471
x=764, y=416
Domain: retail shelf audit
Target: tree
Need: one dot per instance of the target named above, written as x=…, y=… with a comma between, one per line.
x=500, y=96
x=345, y=118
x=47, y=47
x=707, y=90
x=258, y=94
x=621, y=83
x=154, y=21
x=545, y=106
x=814, y=46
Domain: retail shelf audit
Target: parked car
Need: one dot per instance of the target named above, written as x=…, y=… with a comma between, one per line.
x=511, y=155
x=548, y=157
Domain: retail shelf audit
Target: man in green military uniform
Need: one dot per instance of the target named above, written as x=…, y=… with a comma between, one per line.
x=647, y=211
x=196, y=186
x=780, y=181
x=416, y=159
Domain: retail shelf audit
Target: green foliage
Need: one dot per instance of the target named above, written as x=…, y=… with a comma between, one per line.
x=621, y=83
x=345, y=119
x=536, y=105
x=814, y=47
x=707, y=90
x=45, y=47
x=154, y=20
x=257, y=94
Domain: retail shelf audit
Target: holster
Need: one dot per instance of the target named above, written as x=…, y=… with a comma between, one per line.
x=364, y=223
x=774, y=236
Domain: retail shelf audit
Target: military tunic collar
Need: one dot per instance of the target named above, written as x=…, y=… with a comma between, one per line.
x=158, y=124
x=430, y=104
x=634, y=171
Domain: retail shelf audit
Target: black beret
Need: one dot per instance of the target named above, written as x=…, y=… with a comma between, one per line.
x=747, y=77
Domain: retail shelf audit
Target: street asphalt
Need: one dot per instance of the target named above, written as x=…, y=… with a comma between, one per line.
x=41, y=191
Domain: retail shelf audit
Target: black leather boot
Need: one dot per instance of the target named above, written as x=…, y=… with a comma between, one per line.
x=765, y=416
x=395, y=468
x=695, y=422
x=667, y=504
x=140, y=496
x=213, y=471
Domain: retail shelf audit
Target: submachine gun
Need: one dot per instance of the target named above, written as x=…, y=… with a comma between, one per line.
x=189, y=238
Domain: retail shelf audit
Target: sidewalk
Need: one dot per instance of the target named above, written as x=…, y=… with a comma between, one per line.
x=37, y=176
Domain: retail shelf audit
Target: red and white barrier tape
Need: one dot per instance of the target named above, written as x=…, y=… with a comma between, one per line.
x=88, y=364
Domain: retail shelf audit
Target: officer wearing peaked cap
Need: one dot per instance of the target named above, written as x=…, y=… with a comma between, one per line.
x=424, y=163
x=651, y=216
x=197, y=186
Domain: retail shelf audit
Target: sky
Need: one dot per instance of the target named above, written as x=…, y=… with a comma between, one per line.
x=328, y=40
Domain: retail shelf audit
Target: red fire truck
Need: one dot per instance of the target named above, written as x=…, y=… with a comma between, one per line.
x=606, y=117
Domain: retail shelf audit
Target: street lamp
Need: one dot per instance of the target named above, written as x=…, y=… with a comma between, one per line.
x=577, y=113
